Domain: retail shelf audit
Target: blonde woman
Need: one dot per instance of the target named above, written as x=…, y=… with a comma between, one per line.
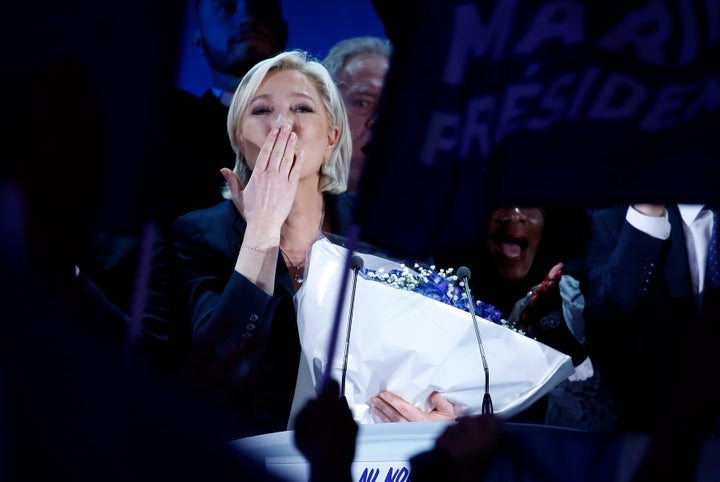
x=241, y=262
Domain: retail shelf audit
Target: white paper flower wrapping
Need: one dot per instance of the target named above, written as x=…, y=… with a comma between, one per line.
x=411, y=345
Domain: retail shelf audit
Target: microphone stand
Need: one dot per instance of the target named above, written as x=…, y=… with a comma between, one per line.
x=357, y=265
x=463, y=273
x=353, y=232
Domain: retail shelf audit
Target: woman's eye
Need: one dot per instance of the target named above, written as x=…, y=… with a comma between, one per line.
x=303, y=108
x=260, y=111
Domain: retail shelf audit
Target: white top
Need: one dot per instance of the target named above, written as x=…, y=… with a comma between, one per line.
x=697, y=225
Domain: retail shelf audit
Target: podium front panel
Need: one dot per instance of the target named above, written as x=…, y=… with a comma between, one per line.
x=550, y=453
x=383, y=451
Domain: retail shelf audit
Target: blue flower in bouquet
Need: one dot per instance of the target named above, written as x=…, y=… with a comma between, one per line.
x=436, y=286
x=441, y=285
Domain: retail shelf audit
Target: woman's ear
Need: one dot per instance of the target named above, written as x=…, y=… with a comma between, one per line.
x=332, y=140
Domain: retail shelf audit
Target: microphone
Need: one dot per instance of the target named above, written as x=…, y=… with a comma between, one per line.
x=356, y=264
x=463, y=274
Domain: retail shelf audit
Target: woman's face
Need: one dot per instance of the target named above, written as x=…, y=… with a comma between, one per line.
x=288, y=97
x=514, y=235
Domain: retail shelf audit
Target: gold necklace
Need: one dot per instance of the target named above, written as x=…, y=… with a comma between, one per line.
x=295, y=270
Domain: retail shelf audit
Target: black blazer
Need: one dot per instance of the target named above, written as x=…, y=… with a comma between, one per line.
x=238, y=317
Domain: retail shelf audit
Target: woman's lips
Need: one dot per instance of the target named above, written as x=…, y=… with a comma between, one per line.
x=513, y=248
x=510, y=250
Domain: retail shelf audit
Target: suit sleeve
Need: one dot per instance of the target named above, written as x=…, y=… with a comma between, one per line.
x=226, y=311
x=621, y=265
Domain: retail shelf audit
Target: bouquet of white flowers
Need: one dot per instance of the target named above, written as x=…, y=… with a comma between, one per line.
x=411, y=334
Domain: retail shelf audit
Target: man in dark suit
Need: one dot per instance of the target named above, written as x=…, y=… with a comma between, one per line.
x=232, y=36
x=650, y=310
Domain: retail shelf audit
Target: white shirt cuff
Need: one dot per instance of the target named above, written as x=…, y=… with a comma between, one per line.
x=657, y=227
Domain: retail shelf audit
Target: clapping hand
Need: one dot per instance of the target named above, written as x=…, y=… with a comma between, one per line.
x=539, y=315
x=525, y=310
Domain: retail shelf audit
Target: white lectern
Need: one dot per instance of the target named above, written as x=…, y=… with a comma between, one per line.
x=549, y=453
x=382, y=453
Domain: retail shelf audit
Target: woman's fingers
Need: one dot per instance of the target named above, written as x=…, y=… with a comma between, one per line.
x=268, y=195
x=549, y=283
x=390, y=408
x=232, y=181
x=379, y=412
x=443, y=406
x=401, y=410
x=278, y=153
x=555, y=272
x=385, y=409
x=263, y=159
x=288, y=158
x=294, y=176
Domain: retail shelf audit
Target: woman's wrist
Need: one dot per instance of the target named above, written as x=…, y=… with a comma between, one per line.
x=259, y=240
x=257, y=249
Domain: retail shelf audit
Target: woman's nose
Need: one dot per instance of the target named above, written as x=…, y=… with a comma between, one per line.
x=281, y=121
x=510, y=214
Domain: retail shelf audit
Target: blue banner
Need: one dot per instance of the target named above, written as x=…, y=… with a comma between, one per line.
x=540, y=102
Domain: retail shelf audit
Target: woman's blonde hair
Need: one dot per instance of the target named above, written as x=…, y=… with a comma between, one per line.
x=335, y=169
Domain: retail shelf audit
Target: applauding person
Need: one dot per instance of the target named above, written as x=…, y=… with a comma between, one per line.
x=652, y=314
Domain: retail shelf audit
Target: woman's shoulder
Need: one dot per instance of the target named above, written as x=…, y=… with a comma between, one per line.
x=219, y=210
x=218, y=228
x=209, y=218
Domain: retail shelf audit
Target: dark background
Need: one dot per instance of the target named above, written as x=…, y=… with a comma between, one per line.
x=315, y=25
